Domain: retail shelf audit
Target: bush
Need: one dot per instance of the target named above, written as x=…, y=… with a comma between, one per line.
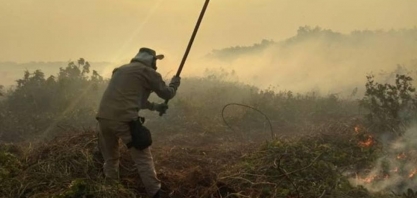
x=39, y=105
x=392, y=107
x=310, y=166
x=46, y=107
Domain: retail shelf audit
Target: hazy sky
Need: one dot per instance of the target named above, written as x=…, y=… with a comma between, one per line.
x=108, y=30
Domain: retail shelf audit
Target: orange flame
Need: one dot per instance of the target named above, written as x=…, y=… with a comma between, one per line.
x=367, y=143
x=413, y=172
x=369, y=179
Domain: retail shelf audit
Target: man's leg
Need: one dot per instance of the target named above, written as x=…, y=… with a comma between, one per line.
x=143, y=160
x=144, y=163
x=108, y=144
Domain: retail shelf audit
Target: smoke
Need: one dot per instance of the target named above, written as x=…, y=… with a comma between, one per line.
x=317, y=60
x=397, y=170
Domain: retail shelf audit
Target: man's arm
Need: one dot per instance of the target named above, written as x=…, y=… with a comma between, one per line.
x=157, y=85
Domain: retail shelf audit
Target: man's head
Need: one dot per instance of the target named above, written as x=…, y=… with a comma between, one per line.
x=148, y=57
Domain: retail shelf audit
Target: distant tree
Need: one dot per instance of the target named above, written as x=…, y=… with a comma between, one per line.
x=231, y=53
x=38, y=104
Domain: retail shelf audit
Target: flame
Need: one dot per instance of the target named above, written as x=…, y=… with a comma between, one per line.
x=369, y=179
x=368, y=142
x=413, y=172
x=401, y=156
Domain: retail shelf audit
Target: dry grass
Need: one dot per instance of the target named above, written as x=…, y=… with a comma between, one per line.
x=70, y=166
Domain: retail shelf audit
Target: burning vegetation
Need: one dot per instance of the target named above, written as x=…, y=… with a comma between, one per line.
x=395, y=167
x=319, y=147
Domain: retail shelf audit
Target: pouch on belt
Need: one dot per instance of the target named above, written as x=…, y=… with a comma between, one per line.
x=141, y=136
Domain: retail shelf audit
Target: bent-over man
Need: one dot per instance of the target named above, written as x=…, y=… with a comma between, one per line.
x=126, y=94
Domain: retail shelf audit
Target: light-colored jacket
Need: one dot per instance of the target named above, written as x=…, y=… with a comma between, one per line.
x=128, y=92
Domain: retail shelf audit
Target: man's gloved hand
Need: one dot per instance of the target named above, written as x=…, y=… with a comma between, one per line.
x=161, y=108
x=175, y=82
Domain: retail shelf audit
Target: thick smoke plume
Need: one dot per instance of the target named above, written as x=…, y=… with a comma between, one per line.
x=317, y=60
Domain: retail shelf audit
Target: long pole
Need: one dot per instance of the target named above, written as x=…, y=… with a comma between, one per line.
x=190, y=43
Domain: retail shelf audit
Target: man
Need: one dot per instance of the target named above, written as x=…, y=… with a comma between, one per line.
x=127, y=93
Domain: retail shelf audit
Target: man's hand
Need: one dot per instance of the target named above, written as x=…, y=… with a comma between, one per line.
x=161, y=108
x=175, y=82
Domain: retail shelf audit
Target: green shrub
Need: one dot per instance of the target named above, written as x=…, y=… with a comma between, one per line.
x=40, y=106
x=392, y=107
